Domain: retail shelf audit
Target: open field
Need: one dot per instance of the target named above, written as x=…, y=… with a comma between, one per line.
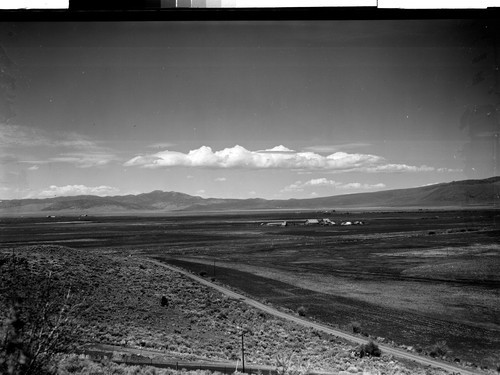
x=415, y=278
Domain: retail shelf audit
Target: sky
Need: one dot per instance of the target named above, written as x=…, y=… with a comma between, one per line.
x=247, y=109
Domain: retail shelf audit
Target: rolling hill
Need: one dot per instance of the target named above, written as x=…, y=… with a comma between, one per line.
x=484, y=192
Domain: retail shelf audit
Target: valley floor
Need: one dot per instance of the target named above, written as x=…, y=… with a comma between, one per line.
x=413, y=279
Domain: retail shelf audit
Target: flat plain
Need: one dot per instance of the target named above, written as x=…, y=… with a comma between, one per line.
x=414, y=278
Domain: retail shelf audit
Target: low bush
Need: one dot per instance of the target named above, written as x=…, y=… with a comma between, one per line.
x=356, y=327
x=369, y=349
x=439, y=349
x=301, y=311
x=164, y=301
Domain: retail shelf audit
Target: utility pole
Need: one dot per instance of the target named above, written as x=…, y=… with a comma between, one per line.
x=243, y=349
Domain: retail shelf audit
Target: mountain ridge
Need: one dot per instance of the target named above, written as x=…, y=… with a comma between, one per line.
x=483, y=192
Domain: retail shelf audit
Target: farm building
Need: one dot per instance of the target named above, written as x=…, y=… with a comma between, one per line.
x=277, y=224
x=346, y=223
x=312, y=222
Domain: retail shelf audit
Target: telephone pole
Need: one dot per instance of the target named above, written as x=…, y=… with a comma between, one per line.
x=243, y=349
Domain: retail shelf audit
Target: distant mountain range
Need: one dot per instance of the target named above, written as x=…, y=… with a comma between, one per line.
x=453, y=194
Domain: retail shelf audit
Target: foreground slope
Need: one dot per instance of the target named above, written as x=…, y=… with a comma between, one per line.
x=453, y=194
x=124, y=299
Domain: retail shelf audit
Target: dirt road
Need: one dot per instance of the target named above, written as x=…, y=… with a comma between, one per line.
x=355, y=339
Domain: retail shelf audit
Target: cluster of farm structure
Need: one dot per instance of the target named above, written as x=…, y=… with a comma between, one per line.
x=315, y=221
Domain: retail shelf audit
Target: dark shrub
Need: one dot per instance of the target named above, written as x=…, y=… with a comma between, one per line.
x=203, y=273
x=369, y=349
x=301, y=311
x=164, y=301
x=356, y=327
x=439, y=349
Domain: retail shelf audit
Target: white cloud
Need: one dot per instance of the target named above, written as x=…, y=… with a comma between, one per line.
x=299, y=186
x=18, y=135
x=220, y=179
x=200, y=192
x=15, y=135
x=279, y=157
x=277, y=149
x=449, y=170
x=162, y=145
x=240, y=157
x=397, y=168
x=72, y=190
x=335, y=148
x=321, y=182
x=84, y=159
x=69, y=147
x=33, y=168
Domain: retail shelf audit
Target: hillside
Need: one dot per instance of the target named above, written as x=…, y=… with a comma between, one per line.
x=458, y=193
x=131, y=303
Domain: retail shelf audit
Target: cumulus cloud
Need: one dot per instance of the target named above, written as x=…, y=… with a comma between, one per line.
x=321, y=182
x=33, y=168
x=72, y=190
x=299, y=186
x=277, y=149
x=239, y=157
x=220, y=179
x=279, y=157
